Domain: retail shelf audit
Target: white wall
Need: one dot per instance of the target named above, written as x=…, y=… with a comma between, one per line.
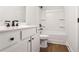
x=52, y=20
x=71, y=27
x=78, y=29
x=52, y=7
x=33, y=15
x=12, y=13
x=78, y=11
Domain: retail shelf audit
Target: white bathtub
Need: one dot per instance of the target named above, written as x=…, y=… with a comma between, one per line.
x=57, y=38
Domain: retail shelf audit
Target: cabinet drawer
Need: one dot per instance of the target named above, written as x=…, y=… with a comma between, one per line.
x=18, y=47
x=28, y=32
x=9, y=38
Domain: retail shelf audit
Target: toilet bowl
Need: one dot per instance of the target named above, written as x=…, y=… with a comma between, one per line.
x=43, y=36
x=43, y=41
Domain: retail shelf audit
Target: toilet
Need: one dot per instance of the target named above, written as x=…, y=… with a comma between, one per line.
x=43, y=41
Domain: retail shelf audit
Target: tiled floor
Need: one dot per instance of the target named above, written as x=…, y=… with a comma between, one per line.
x=54, y=48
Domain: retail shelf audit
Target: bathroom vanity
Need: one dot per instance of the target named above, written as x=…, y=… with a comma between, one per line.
x=19, y=39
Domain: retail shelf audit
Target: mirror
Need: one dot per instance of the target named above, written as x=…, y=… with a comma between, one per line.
x=12, y=13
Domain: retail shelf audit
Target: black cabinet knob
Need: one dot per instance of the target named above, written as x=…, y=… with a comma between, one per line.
x=29, y=40
x=12, y=38
x=32, y=38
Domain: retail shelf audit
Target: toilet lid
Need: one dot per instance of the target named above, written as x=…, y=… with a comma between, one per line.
x=43, y=35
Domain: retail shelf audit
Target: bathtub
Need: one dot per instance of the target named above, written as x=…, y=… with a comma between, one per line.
x=57, y=38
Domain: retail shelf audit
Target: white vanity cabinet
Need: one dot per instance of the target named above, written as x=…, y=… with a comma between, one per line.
x=8, y=39
x=28, y=32
x=20, y=40
x=18, y=47
x=35, y=42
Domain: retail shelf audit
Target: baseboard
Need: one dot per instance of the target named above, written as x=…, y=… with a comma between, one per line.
x=68, y=46
x=69, y=49
x=55, y=42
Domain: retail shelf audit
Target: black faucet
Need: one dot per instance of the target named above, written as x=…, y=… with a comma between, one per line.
x=15, y=23
x=7, y=23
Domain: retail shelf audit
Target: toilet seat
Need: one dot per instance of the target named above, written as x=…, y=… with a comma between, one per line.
x=43, y=37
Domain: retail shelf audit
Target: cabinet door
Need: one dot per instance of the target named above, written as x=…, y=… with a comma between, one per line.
x=35, y=43
x=18, y=47
x=29, y=45
x=9, y=38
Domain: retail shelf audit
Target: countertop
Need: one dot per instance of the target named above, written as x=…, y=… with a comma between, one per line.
x=4, y=28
